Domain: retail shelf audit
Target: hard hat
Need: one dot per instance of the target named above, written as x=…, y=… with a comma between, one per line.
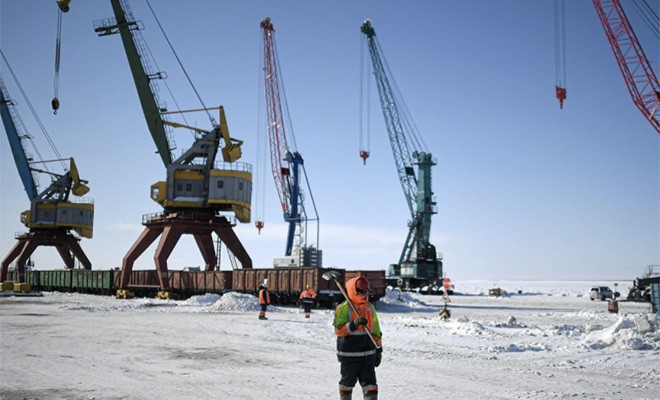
x=362, y=284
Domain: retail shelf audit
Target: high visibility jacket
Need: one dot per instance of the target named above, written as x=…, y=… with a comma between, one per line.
x=308, y=295
x=356, y=343
x=264, y=298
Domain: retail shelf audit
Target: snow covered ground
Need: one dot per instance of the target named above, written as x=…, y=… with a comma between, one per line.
x=549, y=341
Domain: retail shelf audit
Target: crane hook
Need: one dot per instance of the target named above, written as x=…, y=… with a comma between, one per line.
x=56, y=105
x=364, y=154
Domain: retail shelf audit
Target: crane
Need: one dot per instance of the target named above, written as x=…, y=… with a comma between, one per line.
x=197, y=189
x=287, y=166
x=53, y=215
x=634, y=65
x=419, y=264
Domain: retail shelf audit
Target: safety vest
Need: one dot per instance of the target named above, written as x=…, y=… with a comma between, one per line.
x=264, y=298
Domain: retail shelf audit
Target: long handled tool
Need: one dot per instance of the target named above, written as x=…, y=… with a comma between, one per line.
x=334, y=275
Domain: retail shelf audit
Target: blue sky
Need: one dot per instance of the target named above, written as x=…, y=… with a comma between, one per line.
x=524, y=190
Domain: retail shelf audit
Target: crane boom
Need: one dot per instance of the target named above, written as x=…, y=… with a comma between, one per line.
x=402, y=159
x=635, y=67
x=143, y=76
x=419, y=264
x=16, y=137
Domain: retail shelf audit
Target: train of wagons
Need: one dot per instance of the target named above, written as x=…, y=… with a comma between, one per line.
x=284, y=284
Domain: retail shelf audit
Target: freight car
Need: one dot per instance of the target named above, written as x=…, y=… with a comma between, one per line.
x=284, y=284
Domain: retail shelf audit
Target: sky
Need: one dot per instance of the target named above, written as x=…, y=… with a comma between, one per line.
x=524, y=190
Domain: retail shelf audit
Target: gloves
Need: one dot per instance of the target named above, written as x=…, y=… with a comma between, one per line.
x=379, y=356
x=357, y=322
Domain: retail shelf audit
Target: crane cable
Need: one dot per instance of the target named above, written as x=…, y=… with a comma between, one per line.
x=560, y=52
x=36, y=117
x=649, y=16
x=364, y=136
x=262, y=139
x=213, y=122
x=55, y=103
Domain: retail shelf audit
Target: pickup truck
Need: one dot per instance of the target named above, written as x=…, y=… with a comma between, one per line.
x=601, y=293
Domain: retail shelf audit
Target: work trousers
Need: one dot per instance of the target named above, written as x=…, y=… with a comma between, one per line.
x=358, y=368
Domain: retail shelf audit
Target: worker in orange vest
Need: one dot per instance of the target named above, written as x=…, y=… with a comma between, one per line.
x=307, y=296
x=358, y=354
x=264, y=301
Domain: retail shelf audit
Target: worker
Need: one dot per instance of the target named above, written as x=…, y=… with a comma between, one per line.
x=355, y=349
x=308, y=295
x=264, y=300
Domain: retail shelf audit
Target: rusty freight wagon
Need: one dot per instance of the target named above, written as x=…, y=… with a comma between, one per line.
x=286, y=284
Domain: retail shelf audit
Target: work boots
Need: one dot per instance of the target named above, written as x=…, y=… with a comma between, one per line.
x=371, y=395
x=345, y=395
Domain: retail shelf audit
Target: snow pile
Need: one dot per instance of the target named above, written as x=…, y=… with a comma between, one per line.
x=629, y=332
x=236, y=302
x=518, y=348
x=396, y=301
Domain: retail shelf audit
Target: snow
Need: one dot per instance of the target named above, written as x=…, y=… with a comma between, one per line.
x=549, y=341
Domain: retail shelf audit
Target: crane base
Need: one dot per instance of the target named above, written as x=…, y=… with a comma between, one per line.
x=65, y=242
x=170, y=227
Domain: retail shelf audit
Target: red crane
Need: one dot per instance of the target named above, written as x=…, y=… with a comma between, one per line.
x=635, y=67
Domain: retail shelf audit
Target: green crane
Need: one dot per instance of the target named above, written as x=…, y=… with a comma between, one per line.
x=419, y=264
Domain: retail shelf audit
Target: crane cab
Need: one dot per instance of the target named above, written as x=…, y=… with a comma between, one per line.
x=228, y=189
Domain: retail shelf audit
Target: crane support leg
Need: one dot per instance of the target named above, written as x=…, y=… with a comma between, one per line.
x=171, y=235
x=199, y=224
x=228, y=236
x=78, y=252
x=141, y=244
x=15, y=251
x=205, y=244
x=66, y=255
x=62, y=240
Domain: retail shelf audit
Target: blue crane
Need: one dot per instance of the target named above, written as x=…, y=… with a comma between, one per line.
x=419, y=264
x=52, y=215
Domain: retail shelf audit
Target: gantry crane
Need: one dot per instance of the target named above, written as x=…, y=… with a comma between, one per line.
x=419, y=265
x=197, y=189
x=53, y=215
x=635, y=67
x=287, y=166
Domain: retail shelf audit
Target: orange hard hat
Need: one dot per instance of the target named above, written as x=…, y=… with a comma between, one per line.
x=362, y=284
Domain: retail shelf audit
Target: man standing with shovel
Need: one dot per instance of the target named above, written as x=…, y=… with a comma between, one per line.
x=358, y=338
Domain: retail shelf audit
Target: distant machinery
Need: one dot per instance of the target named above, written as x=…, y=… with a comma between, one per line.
x=197, y=189
x=53, y=214
x=419, y=264
x=287, y=167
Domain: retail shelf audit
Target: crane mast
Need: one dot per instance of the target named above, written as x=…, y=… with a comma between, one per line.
x=286, y=166
x=419, y=264
x=635, y=67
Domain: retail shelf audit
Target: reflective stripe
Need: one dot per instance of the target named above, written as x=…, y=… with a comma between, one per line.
x=359, y=333
x=370, y=388
x=346, y=388
x=356, y=354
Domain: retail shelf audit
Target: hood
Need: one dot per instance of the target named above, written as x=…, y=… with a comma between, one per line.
x=352, y=291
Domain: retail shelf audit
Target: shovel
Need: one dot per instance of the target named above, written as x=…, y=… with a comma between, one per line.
x=334, y=275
